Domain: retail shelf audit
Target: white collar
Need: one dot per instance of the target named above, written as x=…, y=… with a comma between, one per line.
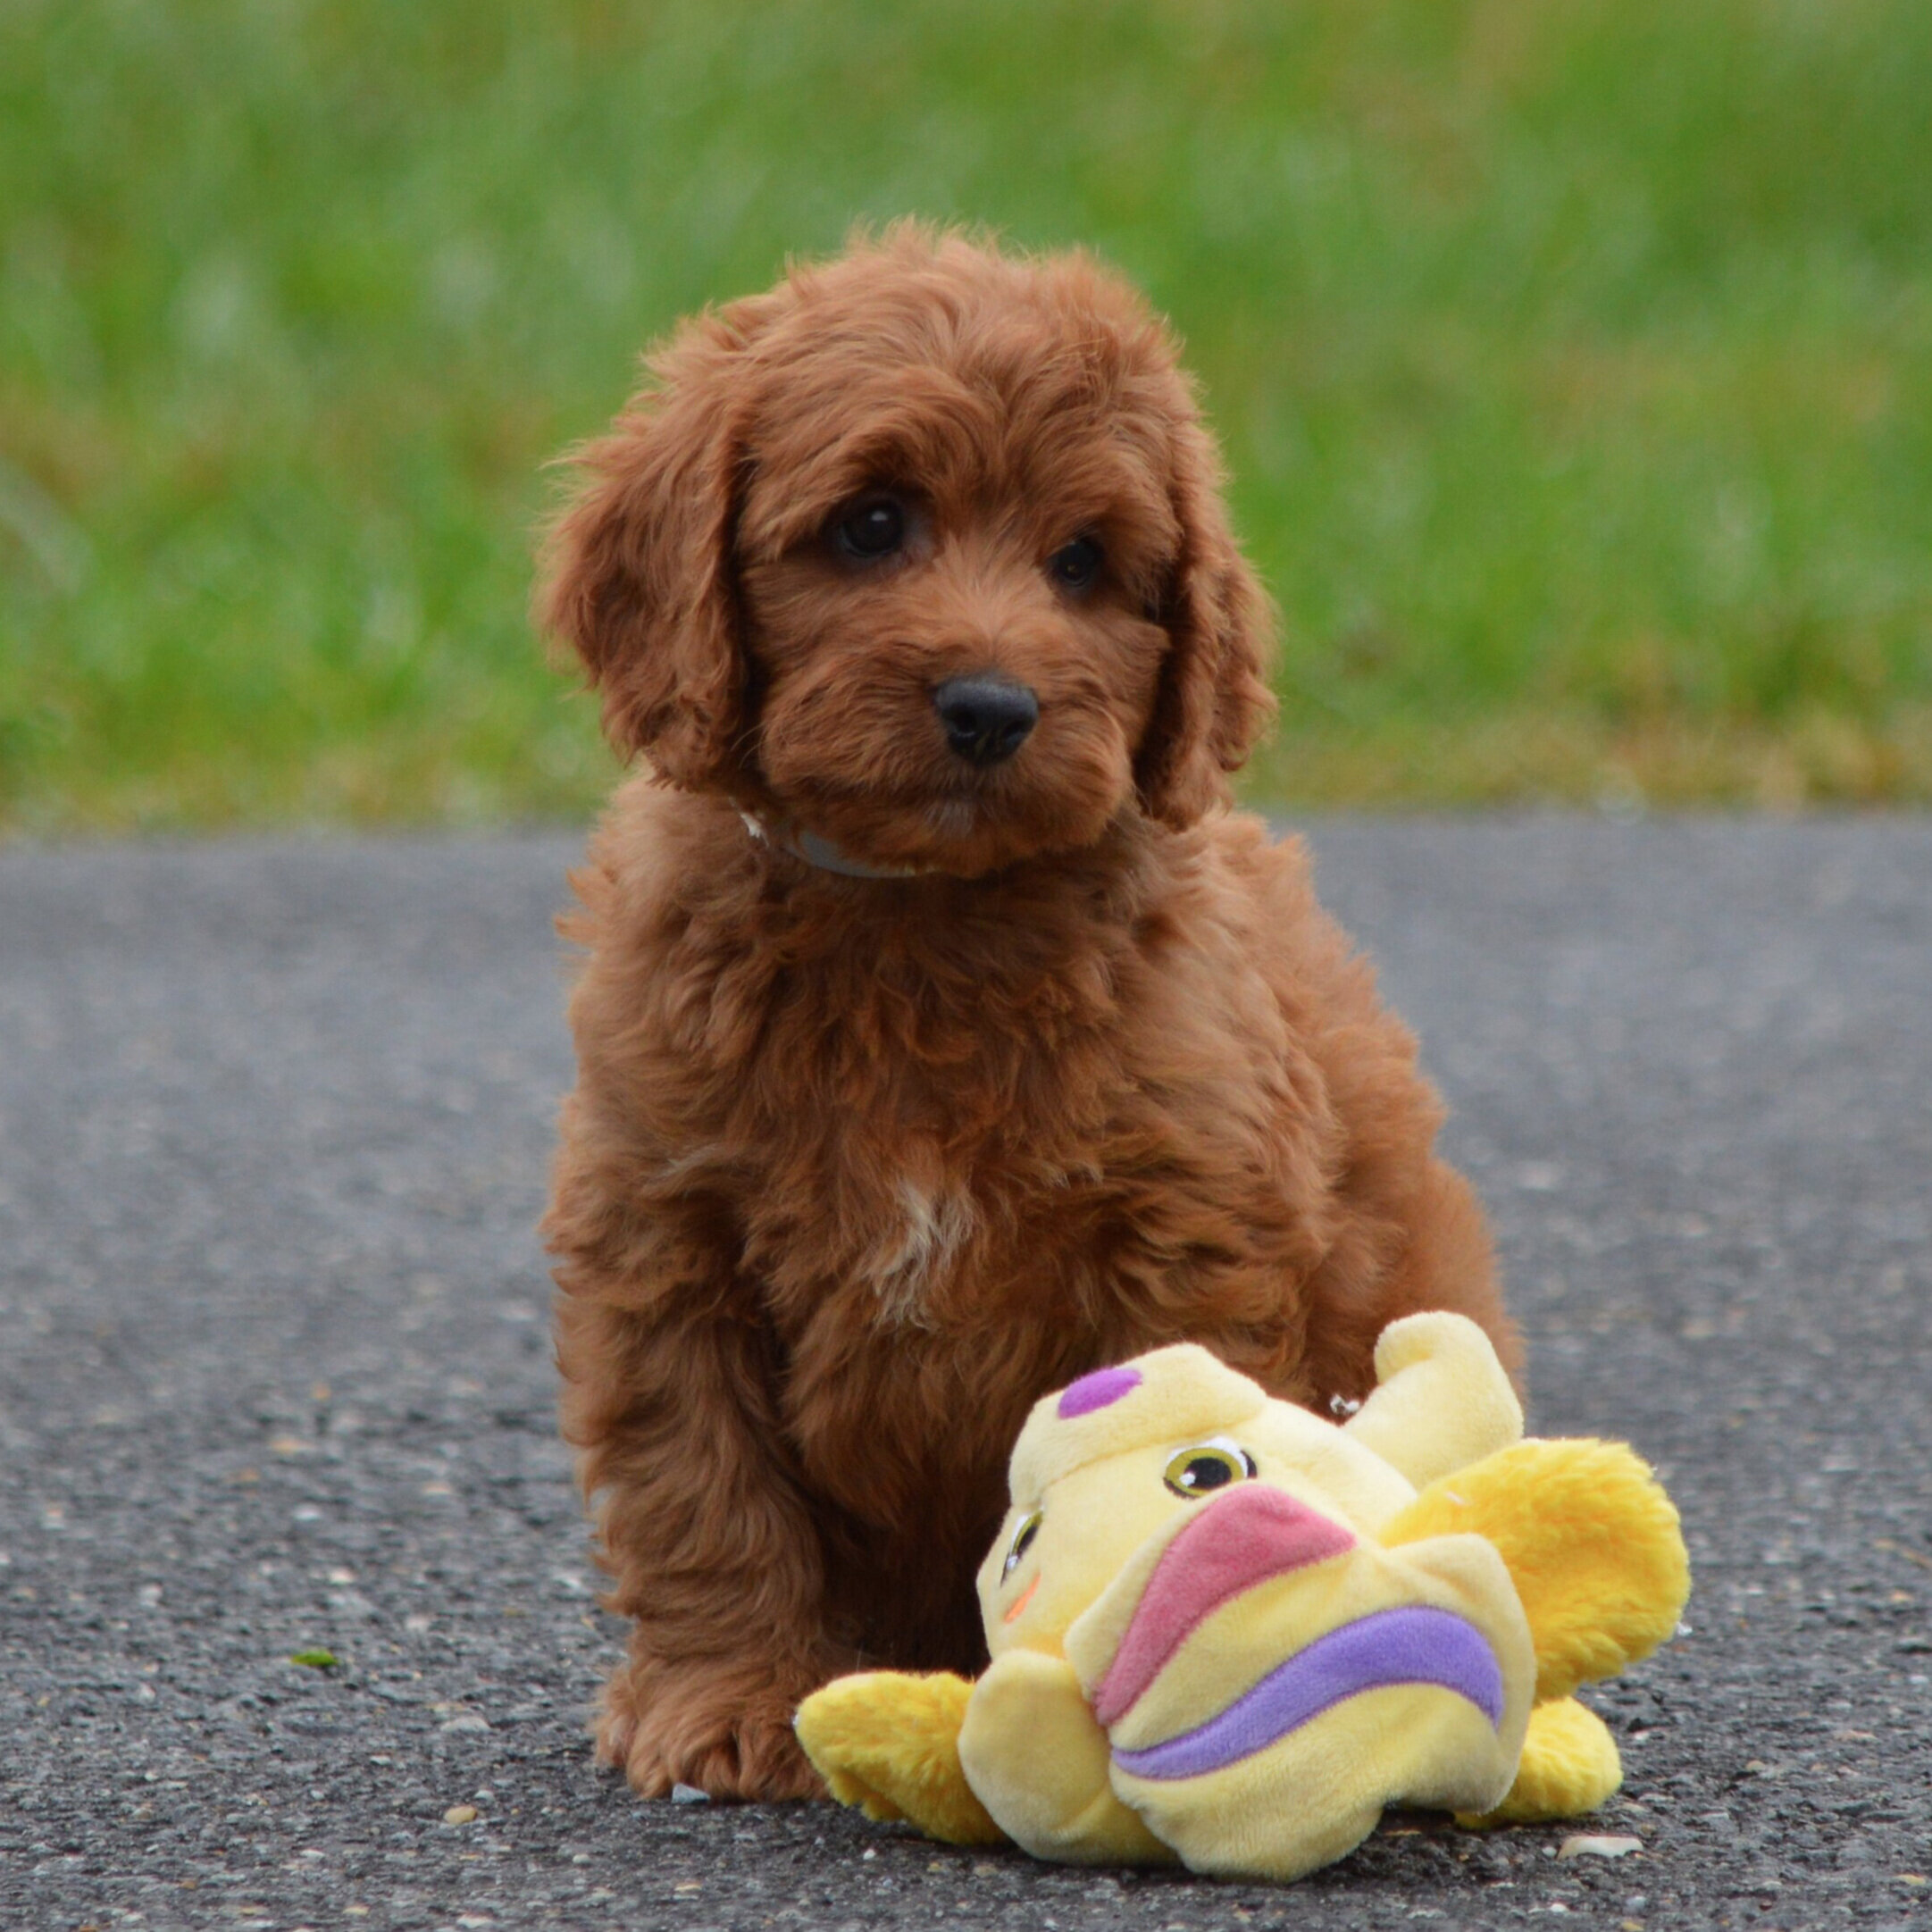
x=824, y=855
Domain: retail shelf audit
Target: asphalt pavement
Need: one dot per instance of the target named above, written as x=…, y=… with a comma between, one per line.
x=274, y=1380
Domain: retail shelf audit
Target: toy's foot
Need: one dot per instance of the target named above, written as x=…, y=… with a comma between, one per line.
x=887, y=1742
x=1570, y=1765
x=1037, y=1753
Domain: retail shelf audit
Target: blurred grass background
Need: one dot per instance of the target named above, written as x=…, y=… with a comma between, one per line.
x=1574, y=363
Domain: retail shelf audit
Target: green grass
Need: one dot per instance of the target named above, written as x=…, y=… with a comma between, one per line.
x=1574, y=362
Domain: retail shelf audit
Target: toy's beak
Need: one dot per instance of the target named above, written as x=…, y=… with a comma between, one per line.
x=1239, y=1540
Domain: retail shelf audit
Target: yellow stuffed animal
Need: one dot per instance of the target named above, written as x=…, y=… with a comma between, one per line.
x=1227, y=1631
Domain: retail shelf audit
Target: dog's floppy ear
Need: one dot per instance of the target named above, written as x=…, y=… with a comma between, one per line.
x=1213, y=702
x=637, y=574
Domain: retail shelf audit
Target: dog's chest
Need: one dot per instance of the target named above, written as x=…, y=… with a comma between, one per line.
x=981, y=1160
x=906, y=1200
x=905, y=1132
x=936, y=1222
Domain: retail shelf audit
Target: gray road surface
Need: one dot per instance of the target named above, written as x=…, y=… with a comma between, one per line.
x=274, y=1377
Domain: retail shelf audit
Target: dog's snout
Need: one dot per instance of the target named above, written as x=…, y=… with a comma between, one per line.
x=987, y=718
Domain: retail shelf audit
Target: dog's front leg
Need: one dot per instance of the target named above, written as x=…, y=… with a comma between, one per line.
x=710, y=1546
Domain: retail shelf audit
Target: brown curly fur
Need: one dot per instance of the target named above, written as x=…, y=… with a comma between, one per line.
x=855, y=1168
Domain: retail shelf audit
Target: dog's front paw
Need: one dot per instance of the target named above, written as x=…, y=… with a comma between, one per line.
x=725, y=1732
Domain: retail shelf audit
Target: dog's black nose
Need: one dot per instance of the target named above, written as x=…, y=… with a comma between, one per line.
x=986, y=718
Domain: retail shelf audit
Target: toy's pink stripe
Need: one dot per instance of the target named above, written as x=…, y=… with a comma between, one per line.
x=1239, y=1540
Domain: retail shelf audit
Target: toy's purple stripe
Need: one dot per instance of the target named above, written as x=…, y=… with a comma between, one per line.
x=1412, y=1645
x=1098, y=1391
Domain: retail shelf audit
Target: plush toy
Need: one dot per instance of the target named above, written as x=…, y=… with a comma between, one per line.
x=1227, y=1631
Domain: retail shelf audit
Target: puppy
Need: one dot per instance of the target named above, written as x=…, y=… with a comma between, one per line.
x=940, y=1033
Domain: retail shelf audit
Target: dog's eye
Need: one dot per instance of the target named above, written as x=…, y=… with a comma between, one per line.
x=1205, y=1467
x=1075, y=566
x=1023, y=1538
x=870, y=528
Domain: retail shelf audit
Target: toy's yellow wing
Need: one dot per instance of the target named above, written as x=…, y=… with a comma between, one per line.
x=887, y=1742
x=890, y=1742
x=1591, y=1541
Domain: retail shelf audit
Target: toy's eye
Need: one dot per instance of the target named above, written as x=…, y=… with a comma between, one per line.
x=1023, y=1538
x=1207, y=1467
